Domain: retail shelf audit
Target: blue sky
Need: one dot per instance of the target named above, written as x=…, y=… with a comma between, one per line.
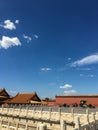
x=49, y=46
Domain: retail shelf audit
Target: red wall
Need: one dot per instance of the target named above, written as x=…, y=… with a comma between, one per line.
x=76, y=99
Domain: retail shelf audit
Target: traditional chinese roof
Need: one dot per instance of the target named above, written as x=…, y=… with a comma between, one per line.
x=4, y=94
x=25, y=98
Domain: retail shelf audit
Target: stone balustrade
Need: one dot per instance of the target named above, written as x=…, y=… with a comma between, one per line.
x=33, y=119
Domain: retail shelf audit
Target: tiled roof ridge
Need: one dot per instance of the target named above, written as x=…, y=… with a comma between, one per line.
x=2, y=89
x=77, y=95
x=26, y=93
x=23, y=97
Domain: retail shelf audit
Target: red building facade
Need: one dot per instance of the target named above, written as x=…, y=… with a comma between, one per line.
x=71, y=99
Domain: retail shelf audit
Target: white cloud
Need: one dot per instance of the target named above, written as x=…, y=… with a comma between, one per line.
x=28, y=38
x=81, y=75
x=89, y=75
x=45, y=69
x=66, y=86
x=8, y=25
x=69, y=59
x=87, y=69
x=36, y=36
x=92, y=59
x=7, y=42
x=17, y=21
x=70, y=92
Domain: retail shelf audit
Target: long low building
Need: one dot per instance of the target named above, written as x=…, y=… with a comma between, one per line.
x=20, y=99
x=72, y=99
x=25, y=98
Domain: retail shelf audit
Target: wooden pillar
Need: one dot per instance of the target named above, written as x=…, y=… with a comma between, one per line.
x=62, y=125
x=77, y=123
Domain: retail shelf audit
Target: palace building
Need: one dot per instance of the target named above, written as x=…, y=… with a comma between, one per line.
x=33, y=99
x=24, y=99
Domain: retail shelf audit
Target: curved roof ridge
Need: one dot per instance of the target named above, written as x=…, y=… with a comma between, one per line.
x=24, y=98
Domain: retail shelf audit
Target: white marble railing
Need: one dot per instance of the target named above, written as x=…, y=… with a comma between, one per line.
x=32, y=119
x=25, y=119
x=90, y=124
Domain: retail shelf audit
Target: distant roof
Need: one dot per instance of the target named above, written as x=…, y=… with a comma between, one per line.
x=24, y=98
x=1, y=90
x=4, y=94
x=82, y=95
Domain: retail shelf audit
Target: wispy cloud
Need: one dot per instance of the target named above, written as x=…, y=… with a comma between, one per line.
x=36, y=36
x=88, y=75
x=87, y=69
x=17, y=21
x=52, y=84
x=7, y=42
x=28, y=38
x=70, y=91
x=66, y=86
x=69, y=59
x=45, y=69
x=9, y=25
x=92, y=59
